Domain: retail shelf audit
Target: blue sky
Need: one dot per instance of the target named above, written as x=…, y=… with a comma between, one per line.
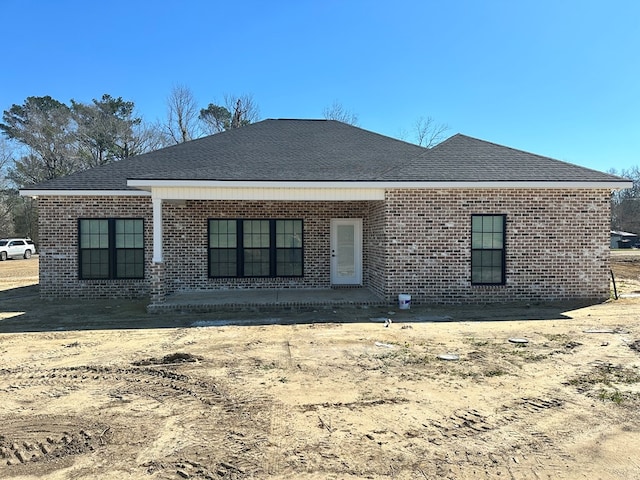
x=558, y=78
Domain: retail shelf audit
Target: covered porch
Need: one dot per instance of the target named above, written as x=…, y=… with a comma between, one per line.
x=183, y=275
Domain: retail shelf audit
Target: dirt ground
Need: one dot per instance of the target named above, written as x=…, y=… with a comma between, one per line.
x=103, y=390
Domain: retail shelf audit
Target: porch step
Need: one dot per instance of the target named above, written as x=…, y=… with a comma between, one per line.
x=266, y=300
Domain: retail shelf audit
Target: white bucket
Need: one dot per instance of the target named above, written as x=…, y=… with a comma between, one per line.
x=404, y=301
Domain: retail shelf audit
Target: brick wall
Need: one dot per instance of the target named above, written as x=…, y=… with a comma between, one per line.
x=185, y=231
x=415, y=242
x=58, y=248
x=556, y=245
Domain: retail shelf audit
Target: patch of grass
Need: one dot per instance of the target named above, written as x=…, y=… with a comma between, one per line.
x=401, y=355
x=464, y=374
x=265, y=366
x=528, y=355
x=495, y=372
x=615, y=396
x=608, y=377
x=477, y=342
x=556, y=337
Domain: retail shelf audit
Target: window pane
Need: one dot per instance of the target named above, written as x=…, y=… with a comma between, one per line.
x=130, y=263
x=289, y=262
x=222, y=263
x=487, y=240
x=476, y=275
x=256, y=234
x=126, y=236
x=256, y=262
x=289, y=234
x=498, y=224
x=222, y=234
x=94, y=234
x=476, y=223
x=496, y=259
x=497, y=240
x=94, y=264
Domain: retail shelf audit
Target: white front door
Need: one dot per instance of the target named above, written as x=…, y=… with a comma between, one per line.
x=346, y=251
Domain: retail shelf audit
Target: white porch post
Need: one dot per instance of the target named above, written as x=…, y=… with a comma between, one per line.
x=157, y=230
x=158, y=290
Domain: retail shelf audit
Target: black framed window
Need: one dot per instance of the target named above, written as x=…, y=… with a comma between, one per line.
x=223, y=248
x=111, y=248
x=488, y=239
x=289, y=248
x=255, y=248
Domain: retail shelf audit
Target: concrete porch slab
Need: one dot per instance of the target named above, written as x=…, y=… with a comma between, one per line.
x=292, y=299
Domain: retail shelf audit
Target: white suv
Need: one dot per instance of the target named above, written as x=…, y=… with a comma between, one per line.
x=16, y=248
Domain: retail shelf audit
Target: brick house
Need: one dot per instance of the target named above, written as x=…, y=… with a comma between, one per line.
x=318, y=204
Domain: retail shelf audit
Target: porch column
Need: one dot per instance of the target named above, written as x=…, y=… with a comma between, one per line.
x=157, y=266
x=157, y=230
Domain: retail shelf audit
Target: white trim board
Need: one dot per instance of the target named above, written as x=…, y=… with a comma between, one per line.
x=84, y=193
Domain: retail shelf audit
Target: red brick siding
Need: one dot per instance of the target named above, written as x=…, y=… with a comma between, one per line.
x=58, y=247
x=375, y=239
x=557, y=244
x=415, y=242
x=185, y=231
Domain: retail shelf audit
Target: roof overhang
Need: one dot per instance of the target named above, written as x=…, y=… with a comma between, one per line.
x=83, y=193
x=278, y=190
x=150, y=184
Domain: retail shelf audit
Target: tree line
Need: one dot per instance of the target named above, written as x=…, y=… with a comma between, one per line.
x=44, y=138
x=625, y=204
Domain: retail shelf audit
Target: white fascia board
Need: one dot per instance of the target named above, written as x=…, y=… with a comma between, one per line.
x=84, y=193
x=146, y=184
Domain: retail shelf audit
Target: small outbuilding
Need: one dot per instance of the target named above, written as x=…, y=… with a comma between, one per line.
x=623, y=239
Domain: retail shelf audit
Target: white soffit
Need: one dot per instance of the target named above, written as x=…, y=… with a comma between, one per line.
x=263, y=193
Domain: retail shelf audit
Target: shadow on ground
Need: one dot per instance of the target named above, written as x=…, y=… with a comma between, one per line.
x=22, y=310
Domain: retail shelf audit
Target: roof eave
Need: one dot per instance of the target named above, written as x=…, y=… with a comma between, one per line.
x=26, y=192
x=140, y=187
x=609, y=184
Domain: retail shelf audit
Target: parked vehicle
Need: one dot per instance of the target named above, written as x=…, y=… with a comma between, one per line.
x=16, y=248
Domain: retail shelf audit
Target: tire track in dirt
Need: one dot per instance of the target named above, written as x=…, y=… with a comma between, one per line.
x=455, y=445
x=146, y=381
x=240, y=450
x=44, y=439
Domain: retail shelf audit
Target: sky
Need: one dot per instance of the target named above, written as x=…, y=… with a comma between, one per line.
x=559, y=78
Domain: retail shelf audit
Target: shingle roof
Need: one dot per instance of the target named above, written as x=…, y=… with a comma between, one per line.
x=325, y=150
x=465, y=159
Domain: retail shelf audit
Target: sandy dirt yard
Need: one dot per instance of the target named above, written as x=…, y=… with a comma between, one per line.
x=103, y=390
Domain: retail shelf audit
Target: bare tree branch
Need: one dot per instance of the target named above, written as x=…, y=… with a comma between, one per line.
x=243, y=109
x=182, y=115
x=336, y=111
x=428, y=133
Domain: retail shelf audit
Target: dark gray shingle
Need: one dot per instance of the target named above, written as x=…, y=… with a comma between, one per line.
x=325, y=150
